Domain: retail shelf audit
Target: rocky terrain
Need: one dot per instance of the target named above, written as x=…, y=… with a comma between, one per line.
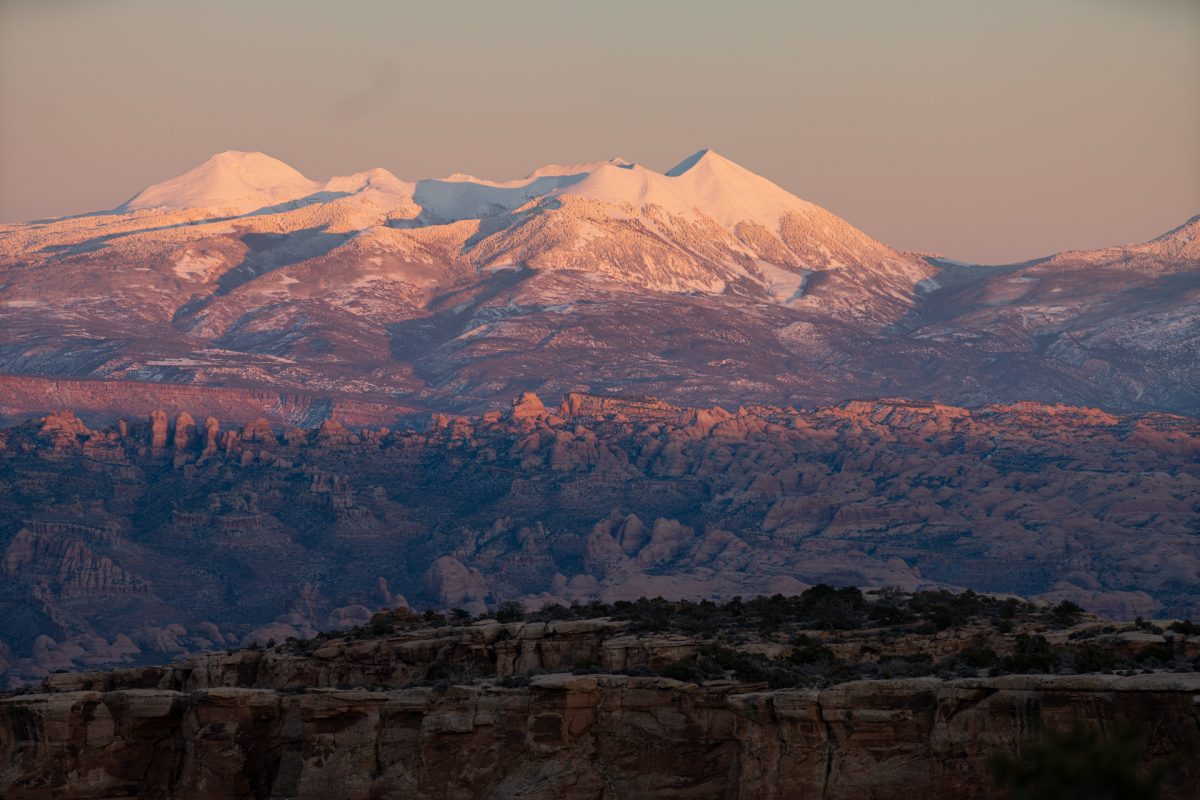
x=108, y=400
x=706, y=284
x=749, y=699
x=135, y=541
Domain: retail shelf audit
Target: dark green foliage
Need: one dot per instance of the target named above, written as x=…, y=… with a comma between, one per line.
x=718, y=663
x=1066, y=613
x=1091, y=658
x=1162, y=652
x=510, y=611
x=913, y=666
x=1033, y=654
x=810, y=623
x=810, y=651
x=553, y=612
x=891, y=608
x=946, y=609
x=692, y=670
x=1185, y=627
x=979, y=657
x=1079, y=765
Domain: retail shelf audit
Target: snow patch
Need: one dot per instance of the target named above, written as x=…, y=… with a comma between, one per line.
x=784, y=286
x=179, y=362
x=192, y=266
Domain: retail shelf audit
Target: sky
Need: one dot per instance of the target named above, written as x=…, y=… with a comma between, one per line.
x=985, y=130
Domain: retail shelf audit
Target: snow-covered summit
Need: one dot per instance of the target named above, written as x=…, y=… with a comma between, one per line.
x=707, y=183
x=730, y=193
x=234, y=180
x=706, y=225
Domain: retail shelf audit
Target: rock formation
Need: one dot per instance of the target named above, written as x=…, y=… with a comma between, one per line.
x=158, y=429
x=185, y=431
x=606, y=498
x=286, y=721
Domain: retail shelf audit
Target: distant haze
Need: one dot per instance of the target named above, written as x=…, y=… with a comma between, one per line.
x=990, y=132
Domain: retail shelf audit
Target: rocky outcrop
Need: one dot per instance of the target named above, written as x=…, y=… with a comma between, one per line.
x=602, y=499
x=572, y=736
x=23, y=396
x=66, y=565
x=185, y=431
x=63, y=428
x=455, y=585
x=158, y=429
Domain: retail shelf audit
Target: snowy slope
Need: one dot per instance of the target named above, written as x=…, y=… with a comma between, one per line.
x=705, y=281
x=707, y=225
x=232, y=180
x=244, y=183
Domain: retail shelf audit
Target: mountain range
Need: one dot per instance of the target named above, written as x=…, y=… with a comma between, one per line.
x=704, y=284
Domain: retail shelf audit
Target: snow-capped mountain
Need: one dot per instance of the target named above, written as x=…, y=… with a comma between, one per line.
x=705, y=282
x=707, y=225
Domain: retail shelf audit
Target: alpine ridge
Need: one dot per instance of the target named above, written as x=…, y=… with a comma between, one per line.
x=702, y=284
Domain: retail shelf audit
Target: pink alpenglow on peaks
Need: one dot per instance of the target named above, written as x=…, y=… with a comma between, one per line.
x=243, y=271
x=233, y=180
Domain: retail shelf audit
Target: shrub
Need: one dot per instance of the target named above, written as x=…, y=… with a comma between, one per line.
x=914, y=666
x=510, y=611
x=1033, y=654
x=1185, y=627
x=1163, y=652
x=978, y=657
x=687, y=669
x=1066, y=613
x=810, y=651
x=1091, y=658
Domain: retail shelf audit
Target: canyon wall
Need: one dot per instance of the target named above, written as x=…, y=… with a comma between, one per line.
x=568, y=736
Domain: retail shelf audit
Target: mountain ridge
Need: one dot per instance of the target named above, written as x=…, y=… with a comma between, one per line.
x=704, y=284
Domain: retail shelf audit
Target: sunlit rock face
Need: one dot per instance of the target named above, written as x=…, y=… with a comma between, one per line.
x=128, y=541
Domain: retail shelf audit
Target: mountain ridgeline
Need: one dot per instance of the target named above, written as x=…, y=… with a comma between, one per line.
x=705, y=284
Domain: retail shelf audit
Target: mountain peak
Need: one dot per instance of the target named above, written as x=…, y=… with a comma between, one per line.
x=244, y=158
x=1182, y=242
x=235, y=180
x=706, y=156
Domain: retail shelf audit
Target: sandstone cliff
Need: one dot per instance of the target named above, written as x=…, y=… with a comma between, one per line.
x=568, y=736
x=573, y=708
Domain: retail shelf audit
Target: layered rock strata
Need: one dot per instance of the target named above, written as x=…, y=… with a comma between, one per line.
x=567, y=736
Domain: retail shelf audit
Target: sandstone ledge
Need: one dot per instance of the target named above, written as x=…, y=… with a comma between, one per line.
x=571, y=736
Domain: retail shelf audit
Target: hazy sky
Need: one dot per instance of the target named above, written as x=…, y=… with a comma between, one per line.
x=989, y=130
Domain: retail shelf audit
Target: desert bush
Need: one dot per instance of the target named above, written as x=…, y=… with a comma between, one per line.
x=1032, y=654
x=510, y=611
x=1185, y=627
x=1091, y=658
x=1066, y=613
